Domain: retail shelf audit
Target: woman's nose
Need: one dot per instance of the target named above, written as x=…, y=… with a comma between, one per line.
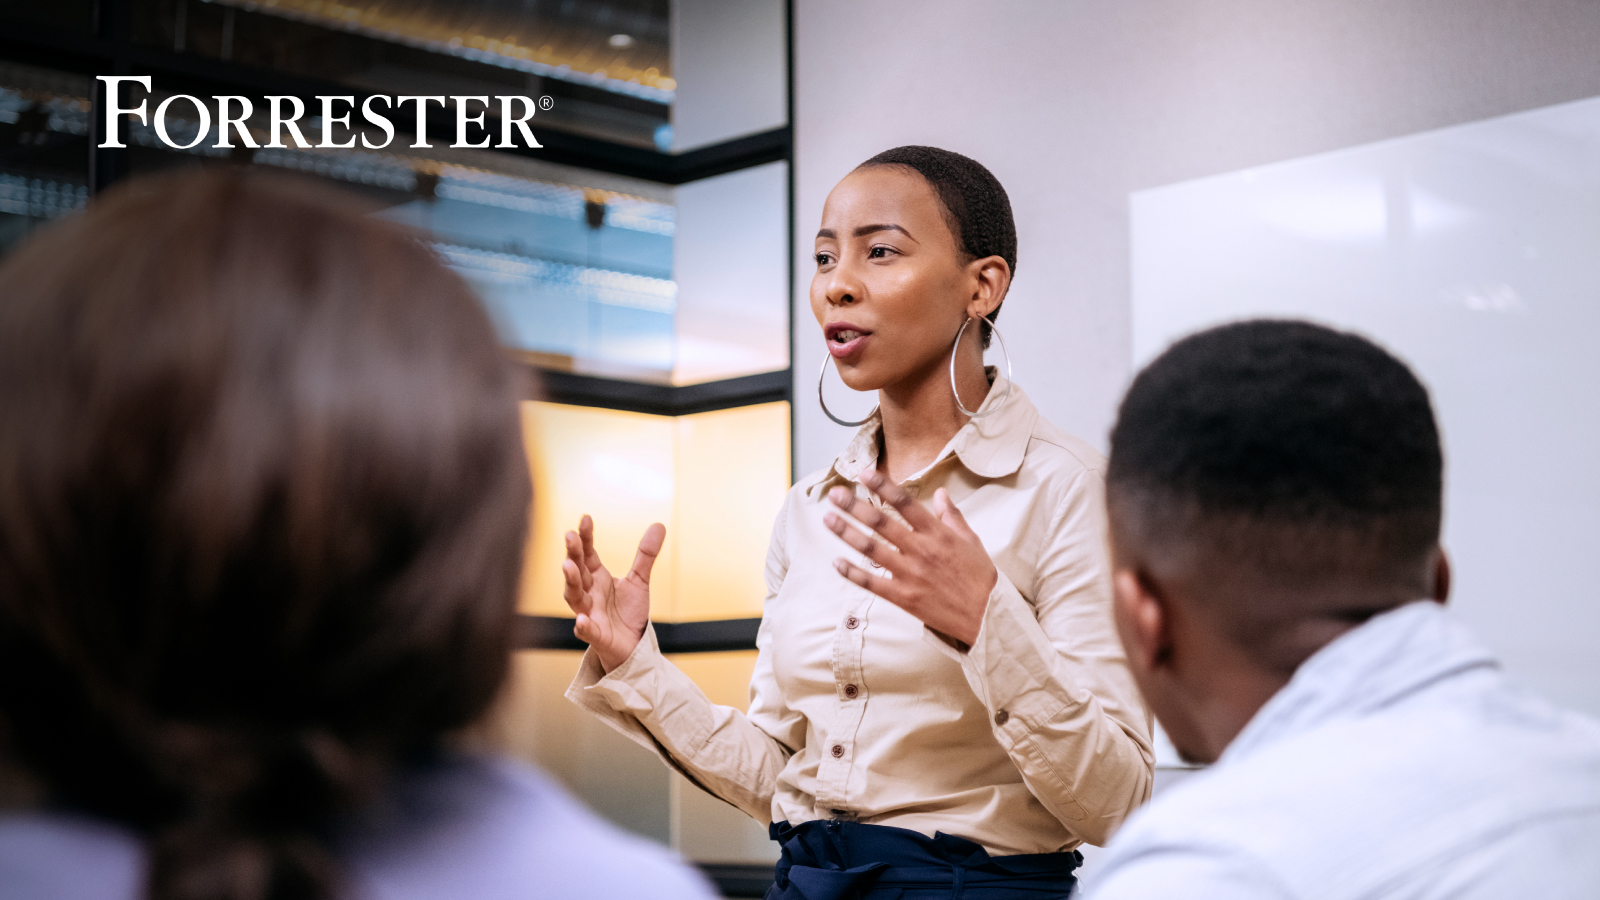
x=843, y=288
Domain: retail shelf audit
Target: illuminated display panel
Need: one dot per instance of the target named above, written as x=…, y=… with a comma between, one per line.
x=714, y=479
x=733, y=470
x=615, y=466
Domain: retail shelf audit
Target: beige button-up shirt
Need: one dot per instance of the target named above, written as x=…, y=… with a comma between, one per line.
x=1035, y=740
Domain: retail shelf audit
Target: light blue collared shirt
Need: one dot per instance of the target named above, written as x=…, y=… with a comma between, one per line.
x=1398, y=762
x=467, y=827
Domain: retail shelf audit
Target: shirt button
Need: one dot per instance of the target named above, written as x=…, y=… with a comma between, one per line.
x=1002, y=717
x=851, y=691
x=851, y=622
x=837, y=751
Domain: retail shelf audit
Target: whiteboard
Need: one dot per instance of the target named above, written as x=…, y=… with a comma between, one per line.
x=1473, y=253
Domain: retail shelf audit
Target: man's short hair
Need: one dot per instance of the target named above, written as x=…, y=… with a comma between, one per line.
x=1279, y=458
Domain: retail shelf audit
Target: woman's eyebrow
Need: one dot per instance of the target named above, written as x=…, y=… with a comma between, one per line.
x=865, y=230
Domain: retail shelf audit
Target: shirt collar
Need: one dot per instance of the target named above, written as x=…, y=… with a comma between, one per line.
x=1389, y=658
x=990, y=447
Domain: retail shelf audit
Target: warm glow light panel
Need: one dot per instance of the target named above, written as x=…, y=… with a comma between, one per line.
x=715, y=479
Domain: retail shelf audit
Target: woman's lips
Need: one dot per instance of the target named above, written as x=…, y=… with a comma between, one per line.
x=845, y=343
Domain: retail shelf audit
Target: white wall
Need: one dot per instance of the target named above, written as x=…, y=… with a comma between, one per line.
x=1076, y=104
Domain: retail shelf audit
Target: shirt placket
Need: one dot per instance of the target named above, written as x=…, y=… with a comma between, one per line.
x=836, y=798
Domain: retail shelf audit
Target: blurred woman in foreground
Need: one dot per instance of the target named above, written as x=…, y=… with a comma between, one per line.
x=262, y=508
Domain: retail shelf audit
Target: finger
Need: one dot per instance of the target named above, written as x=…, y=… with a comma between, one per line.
x=946, y=510
x=649, y=549
x=883, y=587
x=916, y=515
x=576, y=596
x=575, y=553
x=583, y=629
x=869, y=515
x=871, y=547
x=591, y=558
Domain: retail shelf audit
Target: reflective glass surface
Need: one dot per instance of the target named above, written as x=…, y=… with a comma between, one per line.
x=606, y=63
x=715, y=479
x=44, y=148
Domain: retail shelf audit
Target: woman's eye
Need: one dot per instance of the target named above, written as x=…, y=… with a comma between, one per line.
x=878, y=252
x=823, y=259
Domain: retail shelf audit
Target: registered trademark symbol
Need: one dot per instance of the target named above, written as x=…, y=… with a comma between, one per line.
x=546, y=102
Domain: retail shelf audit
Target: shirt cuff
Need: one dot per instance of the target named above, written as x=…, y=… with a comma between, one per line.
x=636, y=696
x=614, y=690
x=1012, y=666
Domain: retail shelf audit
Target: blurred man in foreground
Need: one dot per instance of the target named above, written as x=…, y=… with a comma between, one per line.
x=1274, y=493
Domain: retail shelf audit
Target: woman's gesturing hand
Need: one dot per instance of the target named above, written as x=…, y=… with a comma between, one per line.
x=939, y=571
x=612, y=613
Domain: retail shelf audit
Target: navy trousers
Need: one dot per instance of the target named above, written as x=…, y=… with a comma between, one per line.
x=825, y=860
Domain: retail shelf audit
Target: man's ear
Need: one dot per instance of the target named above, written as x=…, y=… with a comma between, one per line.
x=1441, y=576
x=1142, y=620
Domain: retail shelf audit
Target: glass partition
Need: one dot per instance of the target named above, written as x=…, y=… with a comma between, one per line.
x=731, y=265
x=715, y=479
x=44, y=148
x=607, y=65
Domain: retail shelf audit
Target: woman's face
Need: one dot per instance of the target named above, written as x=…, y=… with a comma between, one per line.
x=892, y=286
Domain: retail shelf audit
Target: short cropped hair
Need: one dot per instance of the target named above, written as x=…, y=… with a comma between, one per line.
x=976, y=206
x=1283, y=455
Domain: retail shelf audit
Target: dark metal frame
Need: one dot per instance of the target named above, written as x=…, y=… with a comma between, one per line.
x=662, y=399
x=718, y=635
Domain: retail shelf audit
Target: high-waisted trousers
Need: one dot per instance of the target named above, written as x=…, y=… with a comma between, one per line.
x=826, y=860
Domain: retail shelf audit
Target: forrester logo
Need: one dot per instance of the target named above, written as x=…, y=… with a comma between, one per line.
x=233, y=111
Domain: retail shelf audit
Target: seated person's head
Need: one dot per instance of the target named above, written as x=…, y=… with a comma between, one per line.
x=1272, y=484
x=262, y=502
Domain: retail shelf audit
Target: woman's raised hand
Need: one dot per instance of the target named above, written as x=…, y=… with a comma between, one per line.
x=938, y=568
x=612, y=612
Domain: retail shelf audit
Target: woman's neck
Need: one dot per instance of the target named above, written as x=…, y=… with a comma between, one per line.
x=920, y=414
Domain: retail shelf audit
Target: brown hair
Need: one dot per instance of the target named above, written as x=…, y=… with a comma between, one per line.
x=262, y=504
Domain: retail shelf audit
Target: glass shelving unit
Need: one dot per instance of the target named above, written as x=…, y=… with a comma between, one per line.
x=643, y=273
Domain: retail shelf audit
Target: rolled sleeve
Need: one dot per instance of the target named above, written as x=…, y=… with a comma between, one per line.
x=730, y=754
x=641, y=690
x=656, y=705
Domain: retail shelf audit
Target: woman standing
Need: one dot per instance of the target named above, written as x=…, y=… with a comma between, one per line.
x=940, y=705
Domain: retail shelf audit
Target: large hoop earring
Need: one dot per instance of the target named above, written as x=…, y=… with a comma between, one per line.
x=828, y=412
x=1004, y=398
